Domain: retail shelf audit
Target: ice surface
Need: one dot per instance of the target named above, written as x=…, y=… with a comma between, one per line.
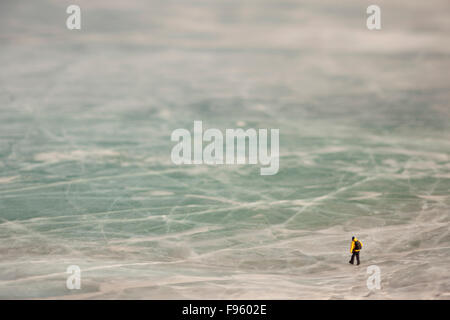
x=86, y=177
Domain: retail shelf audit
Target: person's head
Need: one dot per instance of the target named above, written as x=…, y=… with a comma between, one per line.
x=353, y=238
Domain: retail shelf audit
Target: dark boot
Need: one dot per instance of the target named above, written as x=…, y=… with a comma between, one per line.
x=352, y=258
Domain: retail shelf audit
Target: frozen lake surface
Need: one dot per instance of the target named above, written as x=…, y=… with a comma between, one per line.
x=85, y=171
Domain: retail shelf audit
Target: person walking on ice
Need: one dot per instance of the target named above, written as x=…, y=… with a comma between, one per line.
x=355, y=248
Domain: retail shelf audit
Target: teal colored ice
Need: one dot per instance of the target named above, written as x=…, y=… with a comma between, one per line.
x=86, y=176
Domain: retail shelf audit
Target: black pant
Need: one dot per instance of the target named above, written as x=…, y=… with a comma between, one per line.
x=355, y=254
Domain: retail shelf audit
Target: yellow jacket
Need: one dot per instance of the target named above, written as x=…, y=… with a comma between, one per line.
x=353, y=246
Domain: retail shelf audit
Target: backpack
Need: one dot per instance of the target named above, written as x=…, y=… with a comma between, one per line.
x=357, y=245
